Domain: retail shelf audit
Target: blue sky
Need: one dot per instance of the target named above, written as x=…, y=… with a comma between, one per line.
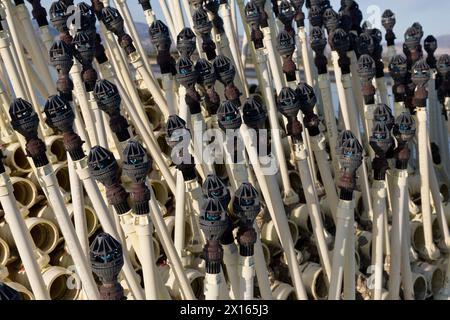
x=432, y=14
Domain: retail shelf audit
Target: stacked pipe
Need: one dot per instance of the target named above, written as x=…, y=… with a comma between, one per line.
x=203, y=187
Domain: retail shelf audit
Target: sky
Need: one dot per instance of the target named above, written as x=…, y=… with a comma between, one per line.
x=432, y=14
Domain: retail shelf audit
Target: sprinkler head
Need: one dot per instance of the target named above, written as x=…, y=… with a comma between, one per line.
x=287, y=103
x=246, y=204
x=383, y=114
x=213, y=219
x=318, y=40
x=8, y=294
x=186, y=42
x=225, y=70
x=176, y=130
x=339, y=41
x=87, y=17
x=59, y=114
x=367, y=27
x=264, y=17
x=297, y=4
x=412, y=38
x=113, y=20
x=381, y=139
x=404, y=128
x=107, y=96
x=228, y=116
x=103, y=166
x=206, y=74
x=137, y=163
x=84, y=47
x=202, y=24
x=430, y=45
x=419, y=29
x=186, y=74
x=306, y=97
x=196, y=3
x=285, y=43
x=365, y=44
x=377, y=36
x=106, y=257
x=443, y=65
x=330, y=20
x=160, y=36
x=398, y=67
x=315, y=16
x=146, y=5
x=212, y=5
x=215, y=188
x=254, y=113
x=58, y=16
x=252, y=14
x=388, y=20
x=286, y=13
x=366, y=68
x=61, y=57
x=23, y=118
x=349, y=151
x=420, y=73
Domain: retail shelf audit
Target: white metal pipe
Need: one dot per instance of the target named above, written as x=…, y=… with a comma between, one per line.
x=306, y=55
x=399, y=215
x=350, y=264
x=226, y=14
x=356, y=83
x=438, y=205
x=406, y=273
x=22, y=238
x=430, y=249
x=318, y=147
x=83, y=100
x=32, y=44
x=340, y=255
x=276, y=72
x=153, y=87
x=99, y=124
x=180, y=213
x=301, y=155
x=379, y=214
x=247, y=274
x=47, y=38
x=144, y=230
x=79, y=216
x=50, y=183
x=16, y=49
x=168, y=87
x=289, y=195
x=11, y=67
x=23, y=67
x=262, y=274
x=231, y=261
x=329, y=115
x=169, y=248
x=175, y=9
x=276, y=210
x=213, y=284
x=380, y=84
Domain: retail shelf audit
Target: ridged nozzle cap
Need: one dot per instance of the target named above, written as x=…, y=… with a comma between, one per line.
x=136, y=161
x=106, y=257
x=214, y=187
